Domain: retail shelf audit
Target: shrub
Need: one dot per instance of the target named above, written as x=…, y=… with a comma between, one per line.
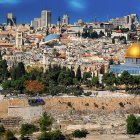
x=2, y=129
x=54, y=135
x=9, y=135
x=69, y=104
x=77, y=93
x=45, y=122
x=96, y=105
x=80, y=133
x=133, y=125
x=87, y=104
x=88, y=93
x=103, y=107
x=44, y=136
x=27, y=129
x=121, y=104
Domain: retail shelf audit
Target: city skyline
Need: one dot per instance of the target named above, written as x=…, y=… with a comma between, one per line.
x=86, y=9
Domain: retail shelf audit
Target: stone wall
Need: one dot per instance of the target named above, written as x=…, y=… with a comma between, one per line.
x=27, y=113
x=59, y=105
x=3, y=108
x=11, y=122
x=98, y=114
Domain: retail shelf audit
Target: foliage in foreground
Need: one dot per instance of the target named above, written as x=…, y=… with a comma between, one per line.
x=80, y=133
x=27, y=129
x=6, y=134
x=133, y=124
x=45, y=122
x=54, y=135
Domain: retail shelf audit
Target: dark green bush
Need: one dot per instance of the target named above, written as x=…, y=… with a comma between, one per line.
x=27, y=129
x=133, y=125
x=80, y=133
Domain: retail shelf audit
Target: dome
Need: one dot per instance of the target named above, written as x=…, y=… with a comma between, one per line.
x=133, y=51
x=80, y=21
x=51, y=37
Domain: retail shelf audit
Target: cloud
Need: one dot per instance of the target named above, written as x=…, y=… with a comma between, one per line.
x=9, y=1
x=77, y=4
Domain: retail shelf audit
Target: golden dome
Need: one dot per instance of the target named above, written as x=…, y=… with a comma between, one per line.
x=133, y=51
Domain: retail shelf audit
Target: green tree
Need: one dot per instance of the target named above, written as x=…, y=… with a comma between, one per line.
x=0, y=56
x=132, y=125
x=54, y=135
x=113, y=40
x=27, y=129
x=111, y=62
x=78, y=73
x=14, y=73
x=53, y=90
x=123, y=38
x=118, y=81
x=65, y=78
x=101, y=34
x=20, y=70
x=109, y=79
x=75, y=81
x=88, y=93
x=95, y=81
x=126, y=79
x=2, y=129
x=13, y=85
x=57, y=135
x=77, y=93
x=86, y=75
x=94, y=35
x=72, y=73
x=18, y=85
x=45, y=122
x=85, y=34
x=44, y=136
x=9, y=135
x=6, y=85
x=3, y=70
x=80, y=133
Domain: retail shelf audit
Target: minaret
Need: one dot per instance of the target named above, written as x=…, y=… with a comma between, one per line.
x=45, y=60
x=59, y=23
x=18, y=39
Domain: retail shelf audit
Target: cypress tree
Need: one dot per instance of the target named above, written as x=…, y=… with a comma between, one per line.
x=78, y=73
x=20, y=70
x=0, y=56
x=72, y=73
x=3, y=69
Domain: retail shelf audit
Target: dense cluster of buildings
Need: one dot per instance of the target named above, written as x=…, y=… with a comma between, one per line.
x=42, y=43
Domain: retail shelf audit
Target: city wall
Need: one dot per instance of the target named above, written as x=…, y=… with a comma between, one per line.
x=73, y=112
x=59, y=105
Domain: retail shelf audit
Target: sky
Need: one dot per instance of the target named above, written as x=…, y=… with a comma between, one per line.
x=88, y=10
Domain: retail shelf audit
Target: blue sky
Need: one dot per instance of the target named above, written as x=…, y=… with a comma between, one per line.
x=26, y=10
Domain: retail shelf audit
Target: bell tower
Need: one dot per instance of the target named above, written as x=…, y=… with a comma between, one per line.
x=18, y=39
